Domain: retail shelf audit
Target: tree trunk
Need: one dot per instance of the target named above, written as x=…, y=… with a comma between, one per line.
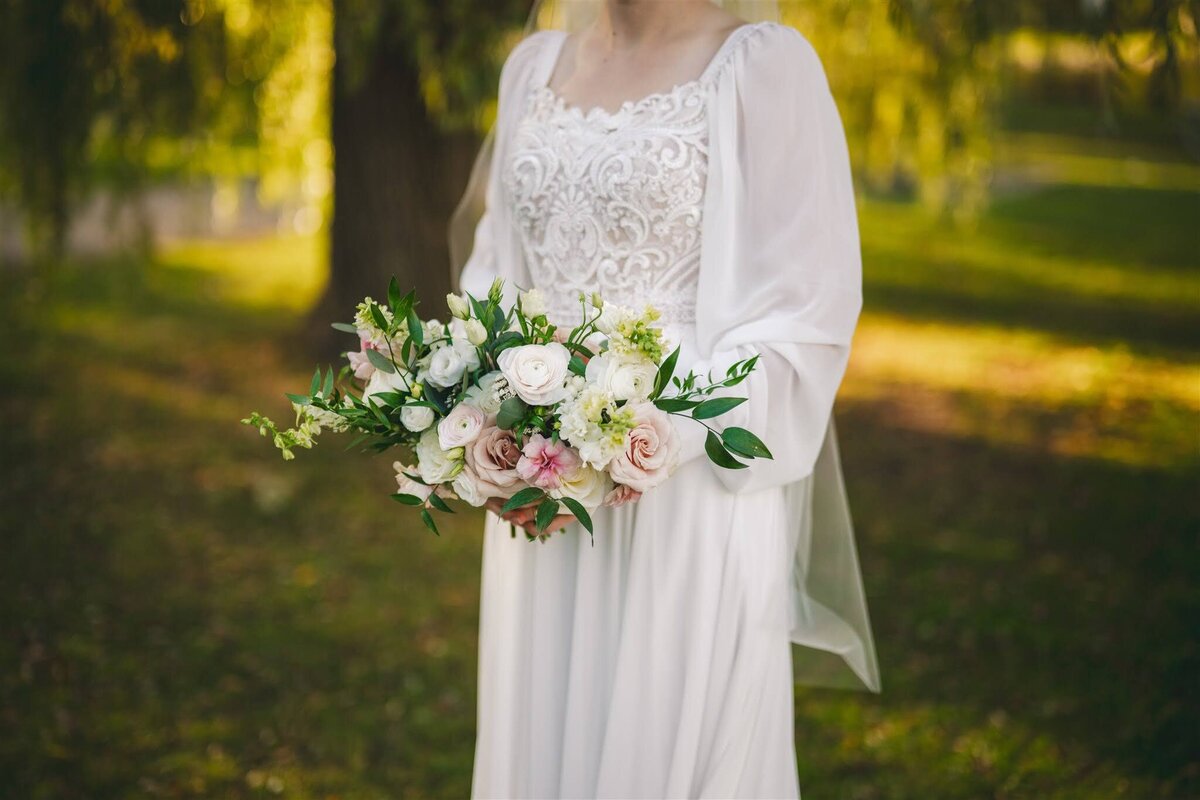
x=397, y=180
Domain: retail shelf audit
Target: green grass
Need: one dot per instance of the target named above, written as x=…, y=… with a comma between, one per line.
x=184, y=615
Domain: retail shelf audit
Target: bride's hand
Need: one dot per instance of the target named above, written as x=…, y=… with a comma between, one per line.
x=524, y=516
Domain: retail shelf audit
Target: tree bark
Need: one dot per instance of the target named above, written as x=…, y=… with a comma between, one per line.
x=398, y=177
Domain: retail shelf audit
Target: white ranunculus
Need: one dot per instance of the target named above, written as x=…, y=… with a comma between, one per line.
x=588, y=486
x=532, y=303
x=461, y=426
x=382, y=381
x=537, y=372
x=476, y=333
x=449, y=361
x=468, y=488
x=416, y=418
x=628, y=377
x=458, y=306
x=482, y=394
x=435, y=464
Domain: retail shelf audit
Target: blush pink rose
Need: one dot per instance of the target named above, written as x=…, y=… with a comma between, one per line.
x=620, y=495
x=493, y=458
x=651, y=451
x=544, y=462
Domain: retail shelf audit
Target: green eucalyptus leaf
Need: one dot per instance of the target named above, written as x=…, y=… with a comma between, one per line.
x=719, y=455
x=674, y=404
x=394, y=294
x=511, y=412
x=427, y=518
x=416, y=331
x=665, y=371
x=315, y=386
x=744, y=443
x=546, y=513
x=579, y=511
x=716, y=407
x=522, y=498
x=380, y=361
x=408, y=499
x=377, y=317
x=576, y=365
x=344, y=327
x=439, y=503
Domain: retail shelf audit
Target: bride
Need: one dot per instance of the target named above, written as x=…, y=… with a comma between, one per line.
x=671, y=152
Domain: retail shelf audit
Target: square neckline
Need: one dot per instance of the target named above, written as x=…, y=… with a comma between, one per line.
x=554, y=55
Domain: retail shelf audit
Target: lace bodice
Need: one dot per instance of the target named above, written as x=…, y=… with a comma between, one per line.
x=613, y=200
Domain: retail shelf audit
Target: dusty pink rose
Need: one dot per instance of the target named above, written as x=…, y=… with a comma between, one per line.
x=493, y=458
x=620, y=495
x=544, y=462
x=362, y=366
x=652, y=450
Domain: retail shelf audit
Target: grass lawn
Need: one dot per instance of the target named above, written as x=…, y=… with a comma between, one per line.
x=184, y=615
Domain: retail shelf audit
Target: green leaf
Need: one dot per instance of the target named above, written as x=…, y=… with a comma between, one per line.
x=427, y=518
x=511, y=412
x=298, y=399
x=576, y=365
x=316, y=382
x=579, y=511
x=439, y=503
x=546, y=513
x=390, y=398
x=378, y=318
x=744, y=443
x=408, y=499
x=719, y=455
x=672, y=404
x=394, y=294
x=380, y=361
x=665, y=371
x=415, y=330
x=497, y=320
x=344, y=327
x=327, y=388
x=506, y=340
x=716, y=407
x=576, y=347
x=522, y=498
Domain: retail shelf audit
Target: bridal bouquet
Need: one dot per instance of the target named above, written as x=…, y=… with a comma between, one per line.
x=500, y=403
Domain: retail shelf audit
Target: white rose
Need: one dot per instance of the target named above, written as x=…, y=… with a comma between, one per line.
x=416, y=418
x=461, y=426
x=536, y=372
x=628, y=377
x=532, y=303
x=382, y=381
x=482, y=394
x=468, y=488
x=435, y=464
x=458, y=306
x=476, y=333
x=588, y=486
x=449, y=362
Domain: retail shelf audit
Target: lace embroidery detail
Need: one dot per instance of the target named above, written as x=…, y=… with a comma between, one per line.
x=612, y=200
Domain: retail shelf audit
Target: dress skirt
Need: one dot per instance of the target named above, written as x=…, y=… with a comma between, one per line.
x=654, y=663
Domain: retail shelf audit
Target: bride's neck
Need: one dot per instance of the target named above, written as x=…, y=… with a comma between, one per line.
x=633, y=21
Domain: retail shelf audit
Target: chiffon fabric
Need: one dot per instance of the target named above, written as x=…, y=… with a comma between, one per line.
x=657, y=662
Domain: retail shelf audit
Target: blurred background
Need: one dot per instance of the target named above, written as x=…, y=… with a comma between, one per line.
x=190, y=190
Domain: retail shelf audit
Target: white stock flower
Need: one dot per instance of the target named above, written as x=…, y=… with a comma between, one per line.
x=461, y=426
x=435, y=464
x=628, y=376
x=416, y=418
x=537, y=372
x=532, y=303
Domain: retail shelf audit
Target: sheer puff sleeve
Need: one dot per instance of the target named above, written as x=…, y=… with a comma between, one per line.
x=781, y=276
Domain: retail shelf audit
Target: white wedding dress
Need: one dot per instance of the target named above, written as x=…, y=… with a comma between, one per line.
x=657, y=662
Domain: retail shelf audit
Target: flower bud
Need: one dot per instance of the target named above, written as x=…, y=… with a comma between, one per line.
x=417, y=389
x=459, y=307
x=597, y=300
x=476, y=333
x=496, y=293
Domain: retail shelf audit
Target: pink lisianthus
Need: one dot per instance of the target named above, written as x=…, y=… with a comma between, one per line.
x=622, y=494
x=362, y=366
x=544, y=462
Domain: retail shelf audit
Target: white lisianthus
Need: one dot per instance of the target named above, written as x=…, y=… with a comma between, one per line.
x=433, y=330
x=537, y=372
x=407, y=485
x=435, y=464
x=459, y=307
x=416, y=418
x=533, y=304
x=469, y=488
x=588, y=486
x=476, y=333
x=628, y=376
x=483, y=393
x=381, y=381
x=449, y=362
x=461, y=426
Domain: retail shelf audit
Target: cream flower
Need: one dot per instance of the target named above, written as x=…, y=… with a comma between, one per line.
x=435, y=464
x=533, y=304
x=536, y=372
x=588, y=486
